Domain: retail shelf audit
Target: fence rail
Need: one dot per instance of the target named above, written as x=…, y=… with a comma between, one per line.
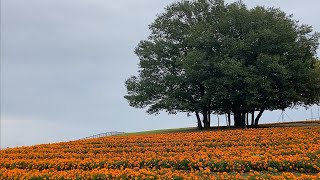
x=113, y=133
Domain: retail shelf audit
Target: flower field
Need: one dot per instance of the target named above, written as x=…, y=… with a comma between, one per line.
x=270, y=153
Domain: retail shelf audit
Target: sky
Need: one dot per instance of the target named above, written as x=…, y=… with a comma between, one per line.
x=64, y=63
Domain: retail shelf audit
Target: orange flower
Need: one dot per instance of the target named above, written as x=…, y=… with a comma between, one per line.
x=239, y=154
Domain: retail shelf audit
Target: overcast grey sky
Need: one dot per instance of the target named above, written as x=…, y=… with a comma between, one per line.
x=64, y=63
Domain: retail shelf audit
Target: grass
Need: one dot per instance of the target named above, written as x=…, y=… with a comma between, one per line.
x=162, y=131
x=194, y=129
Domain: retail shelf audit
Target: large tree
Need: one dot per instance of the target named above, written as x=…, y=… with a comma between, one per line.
x=208, y=57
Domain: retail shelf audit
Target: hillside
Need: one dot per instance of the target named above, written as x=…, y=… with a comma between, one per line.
x=306, y=123
x=269, y=153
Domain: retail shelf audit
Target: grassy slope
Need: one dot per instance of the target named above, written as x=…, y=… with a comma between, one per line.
x=193, y=129
x=161, y=131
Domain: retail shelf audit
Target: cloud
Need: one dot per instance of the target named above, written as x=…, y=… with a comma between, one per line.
x=23, y=131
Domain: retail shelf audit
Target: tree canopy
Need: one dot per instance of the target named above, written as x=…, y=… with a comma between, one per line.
x=205, y=56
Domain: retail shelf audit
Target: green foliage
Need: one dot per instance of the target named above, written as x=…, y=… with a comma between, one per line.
x=206, y=56
x=99, y=177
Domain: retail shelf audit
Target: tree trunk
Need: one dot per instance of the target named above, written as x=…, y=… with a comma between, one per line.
x=205, y=119
x=247, y=119
x=199, y=121
x=243, y=120
x=252, y=118
x=209, y=118
x=229, y=119
x=256, y=121
x=237, y=119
